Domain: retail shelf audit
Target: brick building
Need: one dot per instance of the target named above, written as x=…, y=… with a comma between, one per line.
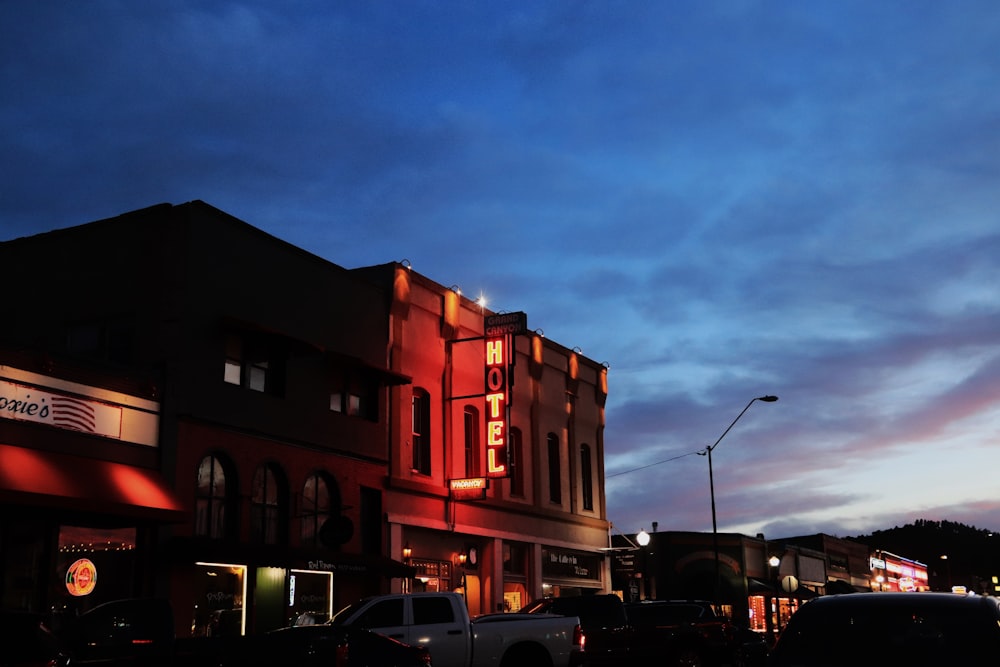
x=248, y=450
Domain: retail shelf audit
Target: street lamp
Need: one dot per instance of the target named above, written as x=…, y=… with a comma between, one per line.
x=711, y=485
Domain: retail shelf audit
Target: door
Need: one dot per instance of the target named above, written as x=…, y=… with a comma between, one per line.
x=436, y=627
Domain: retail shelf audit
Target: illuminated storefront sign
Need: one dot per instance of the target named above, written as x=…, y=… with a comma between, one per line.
x=81, y=577
x=497, y=402
x=31, y=397
x=77, y=414
x=499, y=333
x=473, y=488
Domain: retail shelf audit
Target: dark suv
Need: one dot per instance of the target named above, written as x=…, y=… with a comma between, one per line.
x=603, y=621
x=912, y=629
x=660, y=632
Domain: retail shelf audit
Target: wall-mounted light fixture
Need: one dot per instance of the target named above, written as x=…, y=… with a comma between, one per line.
x=407, y=552
x=456, y=289
x=405, y=263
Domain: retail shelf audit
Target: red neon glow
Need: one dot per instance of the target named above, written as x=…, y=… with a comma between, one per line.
x=497, y=401
x=83, y=482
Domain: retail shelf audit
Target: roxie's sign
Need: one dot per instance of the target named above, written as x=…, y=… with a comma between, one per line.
x=499, y=335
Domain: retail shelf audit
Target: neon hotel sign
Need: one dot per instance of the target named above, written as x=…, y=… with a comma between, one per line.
x=499, y=333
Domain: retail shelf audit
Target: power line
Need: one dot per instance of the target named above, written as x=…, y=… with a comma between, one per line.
x=650, y=465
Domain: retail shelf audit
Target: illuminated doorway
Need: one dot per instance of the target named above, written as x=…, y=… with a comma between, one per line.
x=220, y=591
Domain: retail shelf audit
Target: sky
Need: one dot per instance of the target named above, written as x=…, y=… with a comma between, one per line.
x=718, y=199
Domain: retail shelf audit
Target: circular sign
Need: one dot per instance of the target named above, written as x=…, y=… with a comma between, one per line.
x=789, y=584
x=81, y=577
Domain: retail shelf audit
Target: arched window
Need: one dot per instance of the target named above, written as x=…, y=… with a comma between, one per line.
x=421, y=439
x=214, y=492
x=267, y=506
x=516, y=463
x=320, y=500
x=471, y=421
x=586, y=477
x=555, y=469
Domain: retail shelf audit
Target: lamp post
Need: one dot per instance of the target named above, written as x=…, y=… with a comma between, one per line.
x=711, y=485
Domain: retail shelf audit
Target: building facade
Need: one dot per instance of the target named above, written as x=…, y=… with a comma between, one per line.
x=538, y=526
x=262, y=461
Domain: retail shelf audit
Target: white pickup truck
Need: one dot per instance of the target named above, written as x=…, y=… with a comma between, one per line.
x=440, y=622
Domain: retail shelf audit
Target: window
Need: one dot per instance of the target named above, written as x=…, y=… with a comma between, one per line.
x=471, y=421
x=102, y=341
x=555, y=470
x=431, y=610
x=421, y=432
x=320, y=500
x=254, y=364
x=267, y=506
x=355, y=395
x=213, y=498
x=586, y=477
x=515, y=558
x=382, y=614
x=371, y=520
x=516, y=463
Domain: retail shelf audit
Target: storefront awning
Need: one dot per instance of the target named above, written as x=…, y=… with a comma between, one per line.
x=32, y=477
x=191, y=549
x=758, y=587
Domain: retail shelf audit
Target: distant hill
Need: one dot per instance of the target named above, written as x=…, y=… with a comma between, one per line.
x=973, y=553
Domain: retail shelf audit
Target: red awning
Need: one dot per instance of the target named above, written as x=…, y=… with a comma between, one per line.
x=47, y=479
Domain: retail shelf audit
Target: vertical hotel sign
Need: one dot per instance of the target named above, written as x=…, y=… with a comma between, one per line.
x=499, y=332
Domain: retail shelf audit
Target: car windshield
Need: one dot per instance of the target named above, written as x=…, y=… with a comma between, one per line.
x=345, y=613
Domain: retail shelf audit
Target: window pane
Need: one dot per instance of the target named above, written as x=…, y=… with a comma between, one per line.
x=555, y=473
x=232, y=374
x=258, y=376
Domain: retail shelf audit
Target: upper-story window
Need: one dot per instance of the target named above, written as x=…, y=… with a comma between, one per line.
x=516, y=463
x=320, y=500
x=470, y=418
x=586, y=477
x=215, y=491
x=421, y=436
x=267, y=506
x=355, y=395
x=254, y=363
x=109, y=341
x=555, y=469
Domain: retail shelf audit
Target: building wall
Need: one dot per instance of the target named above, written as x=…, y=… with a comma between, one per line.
x=185, y=305
x=167, y=299
x=437, y=340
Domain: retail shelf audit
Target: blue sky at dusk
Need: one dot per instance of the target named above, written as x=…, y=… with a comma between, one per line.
x=719, y=199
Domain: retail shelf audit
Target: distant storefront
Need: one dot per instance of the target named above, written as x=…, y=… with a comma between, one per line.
x=80, y=495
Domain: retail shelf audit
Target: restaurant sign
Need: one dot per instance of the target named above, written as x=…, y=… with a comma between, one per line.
x=70, y=412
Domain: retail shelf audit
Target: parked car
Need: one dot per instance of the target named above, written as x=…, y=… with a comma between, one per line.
x=602, y=619
x=324, y=645
x=675, y=633
x=136, y=632
x=25, y=641
x=879, y=629
x=440, y=622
